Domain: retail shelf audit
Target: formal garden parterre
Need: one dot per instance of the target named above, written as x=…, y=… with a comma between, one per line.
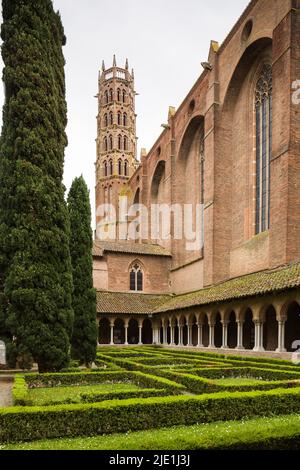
x=150, y=397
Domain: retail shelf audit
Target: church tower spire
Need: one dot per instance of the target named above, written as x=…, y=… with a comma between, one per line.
x=116, y=134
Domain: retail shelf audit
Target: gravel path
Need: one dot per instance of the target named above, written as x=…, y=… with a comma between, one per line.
x=5, y=391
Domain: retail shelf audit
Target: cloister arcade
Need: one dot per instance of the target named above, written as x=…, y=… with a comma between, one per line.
x=272, y=326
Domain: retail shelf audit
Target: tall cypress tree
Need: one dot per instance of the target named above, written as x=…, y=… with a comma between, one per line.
x=84, y=339
x=35, y=262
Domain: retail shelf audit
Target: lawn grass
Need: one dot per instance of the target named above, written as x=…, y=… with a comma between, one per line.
x=260, y=433
x=235, y=382
x=44, y=396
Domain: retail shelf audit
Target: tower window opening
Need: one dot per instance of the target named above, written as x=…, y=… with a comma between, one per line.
x=124, y=96
x=106, y=97
x=111, y=118
x=119, y=118
x=120, y=142
x=120, y=167
x=119, y=94
x=106, y=120
x=105, y=169
x=125, y=120
x=111, y=94
x=111, y=168
x=111, y=142
x=105, y=144
x=126, y=168
x=125, y=143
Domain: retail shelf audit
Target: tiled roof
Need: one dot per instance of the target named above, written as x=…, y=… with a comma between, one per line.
x=265, y=282
x=128, y=247
x=131, y=303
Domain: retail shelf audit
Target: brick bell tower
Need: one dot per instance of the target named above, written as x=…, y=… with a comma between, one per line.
x=116, y=135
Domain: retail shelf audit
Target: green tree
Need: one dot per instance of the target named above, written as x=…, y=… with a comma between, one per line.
x=35, y=261
x=84, y=339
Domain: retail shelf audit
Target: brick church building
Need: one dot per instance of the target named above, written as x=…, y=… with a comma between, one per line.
x=233, y=149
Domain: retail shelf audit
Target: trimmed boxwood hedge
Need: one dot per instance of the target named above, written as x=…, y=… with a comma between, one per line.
x=142, y=393
x=30, y=423
x=138, y=378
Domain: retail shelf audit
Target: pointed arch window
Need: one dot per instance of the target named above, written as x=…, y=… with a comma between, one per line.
x=111, y=94
x=120, y=167
x=105, y=144
x=111, y=144
x=136, y=278
x=105, y=120
x=263, y=123
x=125, y=143
x=111, y=167
x=126, y=168
x=105, y=169
x=106, y=96
x=119, y=94
x=119, y=118
x=124, y=119
x=111, y=118
x=119, y=142
x=124, y=96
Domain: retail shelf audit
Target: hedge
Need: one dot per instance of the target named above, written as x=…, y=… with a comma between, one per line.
x=30, y=423
x=143, y=393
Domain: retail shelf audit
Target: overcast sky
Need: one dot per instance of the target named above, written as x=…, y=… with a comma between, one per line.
x=165, y=42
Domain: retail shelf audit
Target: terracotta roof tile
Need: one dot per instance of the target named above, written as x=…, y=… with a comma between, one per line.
x=265, y=282
x=128, y=247
x=132, y=303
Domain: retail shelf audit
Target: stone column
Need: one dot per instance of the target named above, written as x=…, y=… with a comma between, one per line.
x=240, y=340
x=112, y=324
x=140, y=332
x=172, y=332
x=224, y=335
x=259, y=331
x=200, y=335
x=126, y=325
x=281, y=336
x=180, y=335
x=211, y=336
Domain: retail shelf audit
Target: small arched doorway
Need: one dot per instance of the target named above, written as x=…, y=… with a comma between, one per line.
x=147, y=335
x=133, y=331
x=119, y=332
x=292, y=327
x=249, y=330
x=232, y=331
x=270, y=330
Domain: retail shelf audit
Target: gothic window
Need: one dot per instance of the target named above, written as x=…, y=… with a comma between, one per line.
x=136, y=278
x=125, y=120
x=119, y=118
x=119, y=142
x=106, y=99
x=263, y=120
x=119, y=94
x=120, y=167
x=111, y=118
x=105, y=169
x=111, y=94
x=125, y=143
x=111, y=142
x=124, y=96
x=126, y=168
x=106, y=120
x=105, y=144
x=111, y=167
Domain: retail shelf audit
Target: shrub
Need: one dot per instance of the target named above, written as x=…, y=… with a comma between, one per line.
x=22, y=424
